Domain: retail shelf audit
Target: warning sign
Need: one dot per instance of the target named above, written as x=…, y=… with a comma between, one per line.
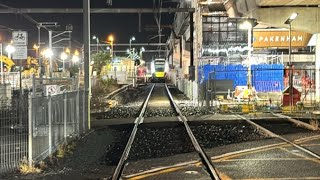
x=52, y=90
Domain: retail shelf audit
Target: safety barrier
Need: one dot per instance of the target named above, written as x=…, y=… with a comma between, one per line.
x=33, y=127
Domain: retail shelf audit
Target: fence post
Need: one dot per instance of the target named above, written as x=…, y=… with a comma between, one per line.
x=33, y=85
x=65, y=116
x=30, y=130
x=78, y=112
x=50, y=123
x=83, y=100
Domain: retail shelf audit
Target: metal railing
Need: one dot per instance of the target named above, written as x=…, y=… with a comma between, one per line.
x=33, y=127
x=13, y=132
x=53, y=120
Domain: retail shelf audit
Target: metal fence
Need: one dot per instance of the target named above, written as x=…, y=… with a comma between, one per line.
x=270, y=86
x=13, y=132
x=33, y=127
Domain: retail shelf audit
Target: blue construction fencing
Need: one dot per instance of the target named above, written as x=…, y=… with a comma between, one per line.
x=265, y=77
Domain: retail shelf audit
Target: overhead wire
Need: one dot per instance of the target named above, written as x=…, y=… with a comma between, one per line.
x=26, y=16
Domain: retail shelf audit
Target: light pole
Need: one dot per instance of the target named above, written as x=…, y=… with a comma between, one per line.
x=134, y=67
x=36, y=47
x=97, y=40
x=2, y=80
x=131, y=39
x=289, y=21
x=111, y=40
x=247, y=25
x=63, y=57
x=141, y=51
x=10, y=49
x=75, y=57
x=48, y=53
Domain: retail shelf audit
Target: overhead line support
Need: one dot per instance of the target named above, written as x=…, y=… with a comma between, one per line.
x=93, y=10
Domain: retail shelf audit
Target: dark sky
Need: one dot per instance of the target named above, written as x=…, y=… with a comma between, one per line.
x=123, y=26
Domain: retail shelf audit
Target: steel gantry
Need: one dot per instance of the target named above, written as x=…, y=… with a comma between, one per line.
x=86, y=11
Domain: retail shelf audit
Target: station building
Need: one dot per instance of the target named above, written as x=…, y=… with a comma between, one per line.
x=220, y=44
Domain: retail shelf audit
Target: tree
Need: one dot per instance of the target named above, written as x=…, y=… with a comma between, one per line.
x=100, y=59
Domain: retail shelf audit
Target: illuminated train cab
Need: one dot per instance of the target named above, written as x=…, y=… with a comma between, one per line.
x=159, y=70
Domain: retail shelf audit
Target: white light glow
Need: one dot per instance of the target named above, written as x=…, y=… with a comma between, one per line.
x=10, y=49
x=152, y=67
x=166, y=67
x=245, y=25
x=63, y=56
x=48, y=53
x=75, y=58
x=293, y=16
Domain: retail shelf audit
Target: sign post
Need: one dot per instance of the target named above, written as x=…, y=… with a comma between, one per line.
x=20, y=42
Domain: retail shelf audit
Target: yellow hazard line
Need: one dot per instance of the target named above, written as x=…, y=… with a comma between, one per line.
x=287, y=178
x=224, y=157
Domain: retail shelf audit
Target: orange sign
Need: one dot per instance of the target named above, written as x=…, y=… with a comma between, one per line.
x=272, y=38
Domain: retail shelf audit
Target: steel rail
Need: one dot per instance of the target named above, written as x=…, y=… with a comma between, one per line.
x=204, y=158
x=118, y=171
x=272, y=134
x=118, y=91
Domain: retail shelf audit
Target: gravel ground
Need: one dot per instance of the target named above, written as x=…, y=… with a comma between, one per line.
x=212, y=134
x=160, y=140
x=281, y=127
x=156, y=140
x=94, y=157
x=130, y=101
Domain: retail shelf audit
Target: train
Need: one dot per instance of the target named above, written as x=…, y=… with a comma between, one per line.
x=159, y=70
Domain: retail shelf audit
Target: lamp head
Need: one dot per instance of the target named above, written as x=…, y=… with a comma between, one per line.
x=245, y=25
x=291, y=18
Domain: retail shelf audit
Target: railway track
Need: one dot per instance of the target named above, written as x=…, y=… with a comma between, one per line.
x=274, y=135
x=204, y=159
x=209, y=167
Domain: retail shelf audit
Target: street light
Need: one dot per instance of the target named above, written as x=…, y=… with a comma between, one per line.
x=2, y=80
x=97, y=40
x=111, y=40
x=48, y=53
x=75, y=58
x=10, y=49
x=37, y=48
x=131, y=39
x=130, y=55
x=289, y=21
x=247, y=25
x=141, y=51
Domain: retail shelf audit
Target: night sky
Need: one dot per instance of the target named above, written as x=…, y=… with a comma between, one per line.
x=122, y=26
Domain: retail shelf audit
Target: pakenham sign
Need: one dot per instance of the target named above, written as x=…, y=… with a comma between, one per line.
x=276, y=38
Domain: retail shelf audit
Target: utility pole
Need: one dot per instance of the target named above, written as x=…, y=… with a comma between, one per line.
x=50, y=47
x=86, y=52
x=39, y=42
